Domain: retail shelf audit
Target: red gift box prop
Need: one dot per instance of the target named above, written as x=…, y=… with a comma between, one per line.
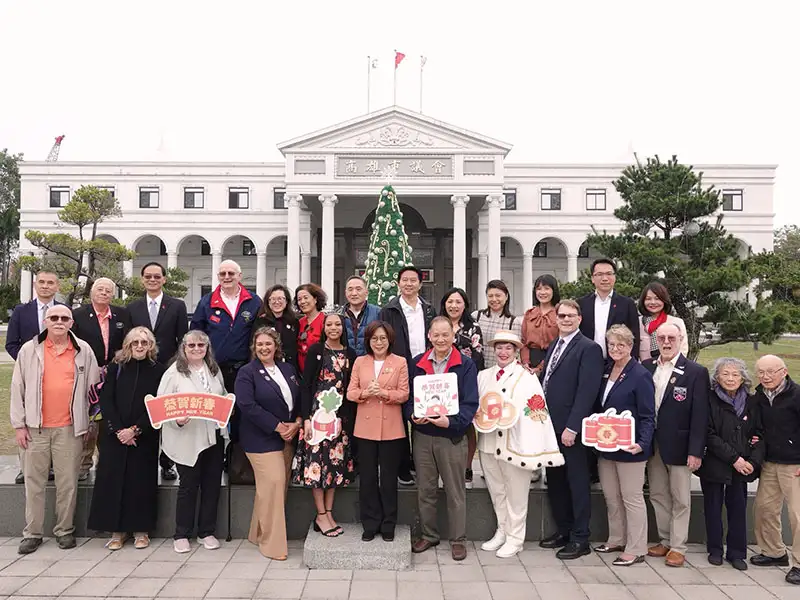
x=170, y=407
x=609, y=431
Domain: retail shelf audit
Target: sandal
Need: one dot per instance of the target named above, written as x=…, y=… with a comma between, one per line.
x=338, y=529
x=606, y=549
x=141, y=542
x=116, y=542
x=329, y=533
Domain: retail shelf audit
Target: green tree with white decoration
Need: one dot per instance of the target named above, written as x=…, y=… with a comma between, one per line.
x=388, y=249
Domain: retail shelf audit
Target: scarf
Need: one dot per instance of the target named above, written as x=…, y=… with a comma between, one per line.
x=738, y=401
x=656, y=322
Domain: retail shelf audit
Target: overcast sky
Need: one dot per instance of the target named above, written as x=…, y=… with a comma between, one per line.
x=711, y=81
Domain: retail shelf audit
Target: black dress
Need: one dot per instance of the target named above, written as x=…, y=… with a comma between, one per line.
x=126, y=483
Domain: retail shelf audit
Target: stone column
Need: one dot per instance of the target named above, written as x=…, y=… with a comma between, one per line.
x=305, y=269
x=493, y=202
x=216, y=261
x=25, y=284
x=572, y=267
x=293, y=241
x=483, y=279
x=459, y=240
x=261, y=273
x=172, y=260
x=527, y=281
x=328, y=251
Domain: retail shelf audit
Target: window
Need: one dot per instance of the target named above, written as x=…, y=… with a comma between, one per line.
x=193, y=197
x=148, y=197
x=509, y=200
x=551, y=199
x=109, y=188
x=238, y=197
x=162, y=248
x=502, y=249
x=248, y=249
x=595, y=199
x=286, y=247
x=279, y=200
x=732, y=200
x=540, y=250
x=205, y=248
x=583, y=251
x=59, y=196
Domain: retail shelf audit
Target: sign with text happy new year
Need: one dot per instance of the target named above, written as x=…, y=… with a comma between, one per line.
x=170, y=407
x=435, y=395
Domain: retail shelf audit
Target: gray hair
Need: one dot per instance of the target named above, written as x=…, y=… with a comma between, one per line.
x=182, y=362
x=738, y=364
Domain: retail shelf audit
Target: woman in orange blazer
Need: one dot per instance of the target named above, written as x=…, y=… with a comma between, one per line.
x=379, y=384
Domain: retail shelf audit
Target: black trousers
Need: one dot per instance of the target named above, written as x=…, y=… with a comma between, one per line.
x=406, y=458
x=568, y=489
x=165, y=461
x=734, y=497
x=378, y=493
x=204, y=477
x=229, y=372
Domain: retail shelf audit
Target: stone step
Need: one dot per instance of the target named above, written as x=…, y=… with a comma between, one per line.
x=347, y=551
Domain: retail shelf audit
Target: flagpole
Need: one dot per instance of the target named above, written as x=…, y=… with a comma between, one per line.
x=394, y=86
x=369, y=78
x=421, y=69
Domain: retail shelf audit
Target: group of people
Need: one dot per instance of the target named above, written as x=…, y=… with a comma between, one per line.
x=560, y=362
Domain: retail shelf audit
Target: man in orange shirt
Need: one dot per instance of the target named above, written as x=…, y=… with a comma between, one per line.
x=50, y=414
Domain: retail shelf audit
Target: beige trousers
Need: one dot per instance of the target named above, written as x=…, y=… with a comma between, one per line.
x=622, y=484
x=670, y=495
x=509, y=487
x=776, y=484
x=59, y=446
x=268, y=524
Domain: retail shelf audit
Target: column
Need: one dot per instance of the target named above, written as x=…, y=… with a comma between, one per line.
x=216, y=261
x=25, y=284
x=483, y=279
x=293, y=241
x=172, y=260
x=127, y=271
x=572, y=267
x=305, y=268
x=459, y=240
x=493, y=202
x=527, y=281
x=261, y=273
x=328, y=251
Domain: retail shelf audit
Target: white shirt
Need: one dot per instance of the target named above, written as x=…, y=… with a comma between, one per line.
x=378, y=364
x=567, y=340
x=661, y=378
x=42, y=308
x=415, y=319
x=278, y=378
x=157, y=300
x=601, y=310
x=609, y=385
x=231, y=303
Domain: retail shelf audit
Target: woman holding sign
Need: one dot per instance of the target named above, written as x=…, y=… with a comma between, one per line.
x=627, y=386
x=126, y=484
x=323, y=461
x=196, y=445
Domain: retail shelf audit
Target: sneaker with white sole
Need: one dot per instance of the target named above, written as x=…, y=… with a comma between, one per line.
x=495, y=543
x=181, y=546
x=508, y=550
x=209, y=542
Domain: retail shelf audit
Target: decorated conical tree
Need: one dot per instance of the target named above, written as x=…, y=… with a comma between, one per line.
x=388, y=249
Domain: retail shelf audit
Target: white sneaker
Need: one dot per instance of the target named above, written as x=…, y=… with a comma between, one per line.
x=496, y=542
x=182, y=546
x=508, y=550
x=209, y=542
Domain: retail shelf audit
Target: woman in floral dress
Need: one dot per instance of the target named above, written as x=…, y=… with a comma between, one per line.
x=327, y=464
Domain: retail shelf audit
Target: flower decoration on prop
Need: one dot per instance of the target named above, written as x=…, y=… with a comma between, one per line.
x=435, y=395
x=609, y=431
x=495, y=411
x=535, y=408
x=169, y=407
x=325, y=424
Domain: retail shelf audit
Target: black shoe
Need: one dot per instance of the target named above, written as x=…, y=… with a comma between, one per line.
x=573, y=550
x=367, y=536
x=29, y=545
x=51, y=476
x=20, y=478
x=388, y=536
x=67, y=541
x=793, y=576
x=468, y=479
x=169, y=474
x=760, y=560
x=554, y=541
x=405, y=479
x=715, y=559
x=738, y=563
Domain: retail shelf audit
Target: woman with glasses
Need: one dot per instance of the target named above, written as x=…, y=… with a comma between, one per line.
x=126, y=483
x=310, y=299
x=277, y=312
x=655, y=307
x=196, y=445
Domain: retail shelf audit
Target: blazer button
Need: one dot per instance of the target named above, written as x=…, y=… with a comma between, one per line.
x=366, y=416
x=384, y=418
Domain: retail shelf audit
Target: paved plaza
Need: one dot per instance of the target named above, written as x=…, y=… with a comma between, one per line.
x=237, y=570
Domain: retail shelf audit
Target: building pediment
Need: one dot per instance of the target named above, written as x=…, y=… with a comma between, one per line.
x=392, y=129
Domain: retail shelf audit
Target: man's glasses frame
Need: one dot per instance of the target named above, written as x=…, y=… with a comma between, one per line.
x=57, y=318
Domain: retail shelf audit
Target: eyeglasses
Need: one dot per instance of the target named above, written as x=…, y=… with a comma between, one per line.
x=604, y=274
x=563, y=316
x=769, y=372
x=193, y=345
x=227, y=273
x=148, y=277
x=666, y=338
x=144, y=343
x=617, y=346
x=57, y=318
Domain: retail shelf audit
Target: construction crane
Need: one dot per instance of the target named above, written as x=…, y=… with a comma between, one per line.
x=53, y=156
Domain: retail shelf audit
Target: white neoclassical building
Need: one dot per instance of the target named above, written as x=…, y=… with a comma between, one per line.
x=471, y=215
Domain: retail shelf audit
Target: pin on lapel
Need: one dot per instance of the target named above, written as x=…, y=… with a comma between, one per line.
x=673, y=380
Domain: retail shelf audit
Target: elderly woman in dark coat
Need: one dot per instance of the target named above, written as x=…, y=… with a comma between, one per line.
x=734, y=453
x=126, y=484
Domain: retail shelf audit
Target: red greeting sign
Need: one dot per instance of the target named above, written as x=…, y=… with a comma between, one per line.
x=170, y=407
x=609, y=431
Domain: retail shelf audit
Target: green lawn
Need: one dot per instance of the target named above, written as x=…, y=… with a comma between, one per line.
x=8, y=444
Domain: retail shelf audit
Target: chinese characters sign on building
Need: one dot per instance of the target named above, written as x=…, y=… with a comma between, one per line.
x=408, y=167
x=170, y=407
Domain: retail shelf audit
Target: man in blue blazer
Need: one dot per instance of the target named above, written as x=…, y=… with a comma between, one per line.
x=682, y=388
x=573, y=370
x=27, y=321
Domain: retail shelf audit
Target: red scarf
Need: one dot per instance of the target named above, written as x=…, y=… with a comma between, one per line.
x=657, y=322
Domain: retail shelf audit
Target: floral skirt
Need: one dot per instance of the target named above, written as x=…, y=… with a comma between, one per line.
x=324, y=465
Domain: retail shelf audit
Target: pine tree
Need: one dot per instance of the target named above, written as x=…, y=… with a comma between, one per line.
x=388, y=249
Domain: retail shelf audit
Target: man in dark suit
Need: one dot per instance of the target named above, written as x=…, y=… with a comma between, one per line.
x=166, y=317
x=573, y=372
x=104, y=328
x=27, y=321
x=682, y=388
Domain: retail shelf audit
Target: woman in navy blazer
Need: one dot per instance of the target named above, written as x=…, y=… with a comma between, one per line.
x=627, y=385
x=268, y=394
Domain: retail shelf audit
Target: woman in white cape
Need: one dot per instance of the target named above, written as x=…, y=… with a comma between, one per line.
x=516, y=437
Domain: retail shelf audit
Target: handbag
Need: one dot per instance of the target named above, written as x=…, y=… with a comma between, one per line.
x=240, y=471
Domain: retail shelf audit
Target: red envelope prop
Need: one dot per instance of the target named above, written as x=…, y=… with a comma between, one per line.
x=609, y=431
x=169, y=407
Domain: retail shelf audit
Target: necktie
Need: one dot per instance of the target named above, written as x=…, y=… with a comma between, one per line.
x=42, y=324
x=553, y=362
x=500, y=374
x=153, y=314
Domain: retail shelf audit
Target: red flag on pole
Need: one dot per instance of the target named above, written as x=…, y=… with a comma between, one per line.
x=398, y=58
